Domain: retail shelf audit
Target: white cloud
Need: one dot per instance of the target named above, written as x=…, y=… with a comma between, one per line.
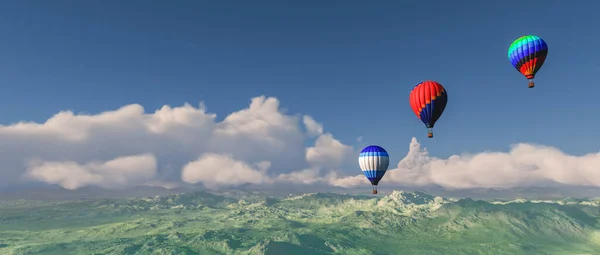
x=359, y=139
x=69, y=148
x=258, y=145
x=312, y=127
x=260, y=132
x=215, y=170
x=305, y=176
x=524, y=165
x=328, y=152
x=118, y=172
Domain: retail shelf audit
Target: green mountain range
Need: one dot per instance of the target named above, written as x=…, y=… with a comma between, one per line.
x=317, y=223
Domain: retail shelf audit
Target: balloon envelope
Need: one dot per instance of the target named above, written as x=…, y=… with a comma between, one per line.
x=374, y=162
x=527, y=54
x=428, y=101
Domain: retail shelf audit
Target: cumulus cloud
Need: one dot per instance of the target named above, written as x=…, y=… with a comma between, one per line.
x=312, y=127
x=216, y=170
x=258, y=145
x=75, y=150
x=524, y=165
x=118, y=172
x=327, y=151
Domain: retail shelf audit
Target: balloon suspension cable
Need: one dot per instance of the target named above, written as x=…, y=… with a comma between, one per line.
x=531, y=83
x=430, y=132
x=374, y=189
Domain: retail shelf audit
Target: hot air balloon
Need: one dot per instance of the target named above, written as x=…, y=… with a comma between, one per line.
x=527, y=54
x=374, y=161
x=428, y=100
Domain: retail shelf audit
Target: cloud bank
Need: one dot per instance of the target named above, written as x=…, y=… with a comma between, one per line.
x=258, y=145
x=524, y=165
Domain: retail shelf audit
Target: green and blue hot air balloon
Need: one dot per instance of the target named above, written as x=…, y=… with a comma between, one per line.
x=527, y=54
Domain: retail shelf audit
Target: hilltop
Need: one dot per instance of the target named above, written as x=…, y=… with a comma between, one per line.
x=315, y=223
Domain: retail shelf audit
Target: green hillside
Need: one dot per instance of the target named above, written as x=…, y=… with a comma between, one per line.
x=319, y=223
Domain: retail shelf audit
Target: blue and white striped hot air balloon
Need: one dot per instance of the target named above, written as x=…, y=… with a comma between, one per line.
x=374, y=161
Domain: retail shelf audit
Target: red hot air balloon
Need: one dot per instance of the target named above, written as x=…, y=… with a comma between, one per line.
x=428, y=100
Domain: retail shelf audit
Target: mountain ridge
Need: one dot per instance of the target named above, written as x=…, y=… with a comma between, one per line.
x=251, y=222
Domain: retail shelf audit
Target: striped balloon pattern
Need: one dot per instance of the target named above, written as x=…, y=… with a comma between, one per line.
x=374, y=162
x=527, y=54
x=428, y=101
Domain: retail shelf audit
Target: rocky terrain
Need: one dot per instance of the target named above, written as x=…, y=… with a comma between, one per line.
x=316, y=223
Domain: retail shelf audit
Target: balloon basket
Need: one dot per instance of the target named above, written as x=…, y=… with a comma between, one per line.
x=531, y=84
x=374, y=191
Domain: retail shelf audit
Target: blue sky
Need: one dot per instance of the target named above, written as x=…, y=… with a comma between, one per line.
x=349, y=64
